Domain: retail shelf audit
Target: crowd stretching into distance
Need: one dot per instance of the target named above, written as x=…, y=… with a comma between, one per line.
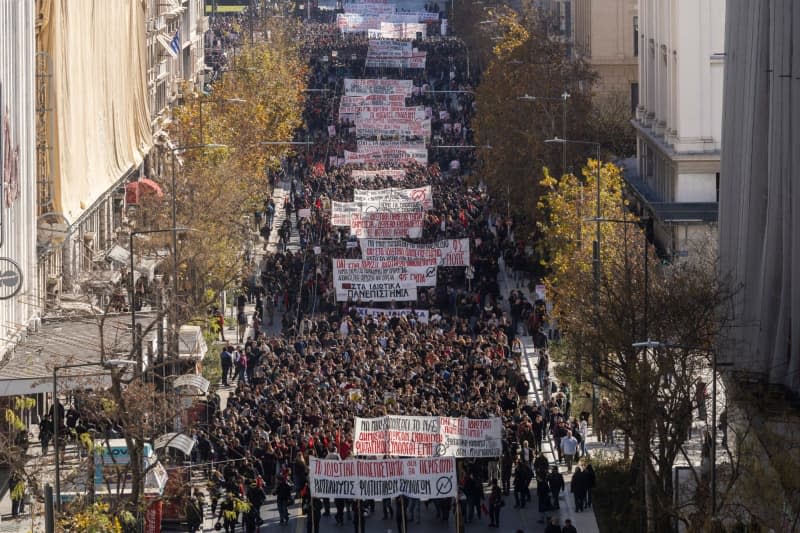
x=453, y=352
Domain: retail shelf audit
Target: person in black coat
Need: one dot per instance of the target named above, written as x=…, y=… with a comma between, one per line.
x=578, y=488
x=555, y=481
x=591, y=481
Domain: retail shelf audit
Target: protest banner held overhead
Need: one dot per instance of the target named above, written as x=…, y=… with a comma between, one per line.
x=420, y=195
x=448, y=252
x=387, y=225
x=355, y=279
x=428, y=436
x=360, y=479
x=421, y=315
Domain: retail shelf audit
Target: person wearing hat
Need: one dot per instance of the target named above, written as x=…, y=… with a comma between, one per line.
x=228, y=513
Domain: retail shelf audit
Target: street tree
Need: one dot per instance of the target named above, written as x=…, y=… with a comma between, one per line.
x=637, y=298
x=510, y=131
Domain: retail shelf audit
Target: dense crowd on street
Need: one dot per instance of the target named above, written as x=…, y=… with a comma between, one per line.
x=295, y=395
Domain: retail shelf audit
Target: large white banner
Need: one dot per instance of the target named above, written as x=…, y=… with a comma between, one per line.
x=373, y=99
x=428, y=436
x=368, y=86
x=393, y=155
x=448, y=252
x=368, y=175
x=420, y=195
x=398, y=30
x=403, y=274
x=341, y=211
x=422, y=315
x=392, y=128
x=387, y=53
x=361, y=479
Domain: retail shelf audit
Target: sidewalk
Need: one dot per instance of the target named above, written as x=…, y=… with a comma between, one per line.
x=584, y=522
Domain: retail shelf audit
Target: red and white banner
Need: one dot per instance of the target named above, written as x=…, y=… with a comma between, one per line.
x=386, y=53
x=387, y=225
x=360, y=479
x=447, y=252
x=368, y=86
x=420, y=195
x=428, y=436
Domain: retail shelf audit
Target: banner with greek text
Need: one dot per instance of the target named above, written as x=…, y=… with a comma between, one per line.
x=341, y=211
x=428, y=436
x=448, y=252
x=421, y=315
x=360, y=479
x=420, y=195
x=348, y=273
x=392, y=128
x=368, y=175
x=373, y=86
x=376, y=225
x=387, y=155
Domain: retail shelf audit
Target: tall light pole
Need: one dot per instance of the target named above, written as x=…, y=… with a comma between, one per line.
x=563, y=99
x=595, y=261
x=715, y=364
x=108, y=364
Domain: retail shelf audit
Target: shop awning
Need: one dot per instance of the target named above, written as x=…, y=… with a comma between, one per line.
x=136, y=190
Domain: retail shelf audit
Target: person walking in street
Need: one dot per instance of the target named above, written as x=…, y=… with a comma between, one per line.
x=522, y=478
x=495, y=504
x=578, y=488
x=228, y=514
x=553, y=526
x=568, y=527
x=225, y=363
x=284, y=497
x=194, y=514
x=555, y=483
x=591, y=480
x=569, y=447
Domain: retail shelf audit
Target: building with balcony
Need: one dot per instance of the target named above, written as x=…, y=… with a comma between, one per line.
x=19, y=298
x=678, y=120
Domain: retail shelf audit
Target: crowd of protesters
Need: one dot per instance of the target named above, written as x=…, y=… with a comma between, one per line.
x=296, y=395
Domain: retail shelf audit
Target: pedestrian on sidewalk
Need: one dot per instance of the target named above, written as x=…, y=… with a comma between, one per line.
x=225, y=363
x=553, y=526
x=542, y=366
x=568, y=527
x=45, y=433
x=495, y=504
x=569, y=447
x=591, y=481
x=555, y=484
x=578, y=487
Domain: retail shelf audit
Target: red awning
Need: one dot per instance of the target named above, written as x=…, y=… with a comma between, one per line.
x=136, y=190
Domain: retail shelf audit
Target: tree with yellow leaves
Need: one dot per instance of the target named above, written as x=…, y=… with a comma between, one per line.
x=637, y=298
x=511, y=131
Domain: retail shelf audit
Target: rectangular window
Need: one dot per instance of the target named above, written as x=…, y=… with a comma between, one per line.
x=634, y=97
x=636, y=36
x=717, y=186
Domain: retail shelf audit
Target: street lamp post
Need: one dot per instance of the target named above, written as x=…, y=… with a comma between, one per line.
x=595, y=261
x=563, y=99
x=715, y=364
x=111, y=363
